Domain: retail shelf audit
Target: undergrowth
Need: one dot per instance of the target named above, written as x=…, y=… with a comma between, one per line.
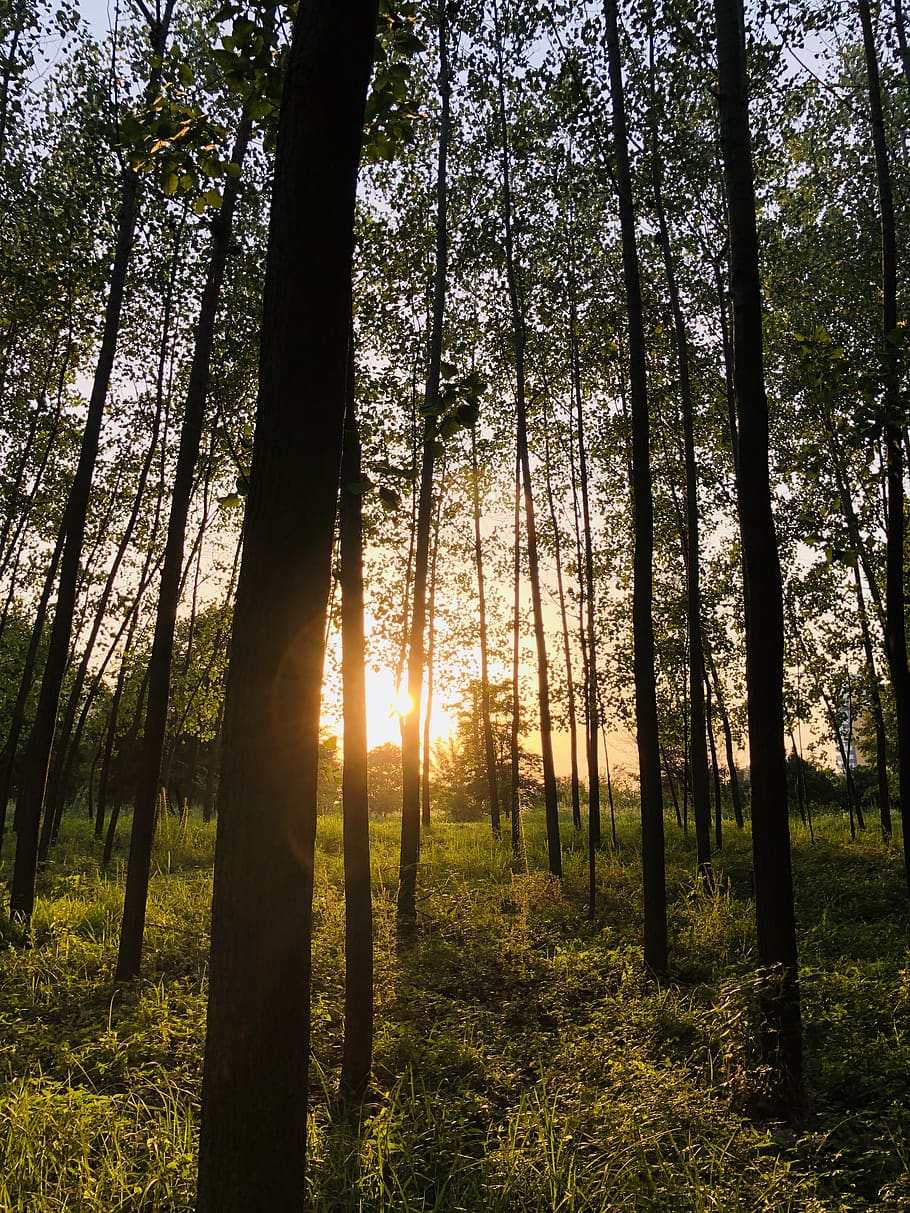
x=523, y=1060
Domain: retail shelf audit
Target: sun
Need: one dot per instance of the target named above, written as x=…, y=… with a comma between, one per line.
x=402, y=704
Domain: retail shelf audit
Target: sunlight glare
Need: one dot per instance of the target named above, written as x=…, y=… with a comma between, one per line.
x=402, y=704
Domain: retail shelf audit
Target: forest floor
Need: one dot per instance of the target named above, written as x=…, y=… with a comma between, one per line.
x=524, y=1062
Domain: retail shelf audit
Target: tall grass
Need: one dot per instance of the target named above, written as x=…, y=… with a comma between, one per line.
x=524, y=1061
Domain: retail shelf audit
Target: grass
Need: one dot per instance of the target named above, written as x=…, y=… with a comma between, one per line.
x=523, y=1060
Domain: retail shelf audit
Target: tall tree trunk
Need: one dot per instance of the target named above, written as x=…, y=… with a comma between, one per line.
x=8, y=758
x=254, y=1098
x=127, y=745
x=38, y=750
x=735, y=791
x=652, y=817
x=564, y=620
x=551, y=806
x=878, y=716
x=715, y=770
x=895, y=621
x=62, y=761
x=489, y=749
x=132, y=929
x=591, y=684
x=698, y=751
x=514, y=752
x=20, y=11
x=431, y=650
x=410, y=732
x=901, y=29
x=779, y=994
x=110, y=737
x=358, y=912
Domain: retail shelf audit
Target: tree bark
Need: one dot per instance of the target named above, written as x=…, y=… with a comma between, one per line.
x=551, y=806
x=566, y=643
x=698, y=751
x=895, y=621
x=878, y=716
x=410, y=732
x=652, y=818
x=357, y=1055
x=779, y=993
x=254, y=1098
x=38, y=750
x=489, y=749
x=129, y=959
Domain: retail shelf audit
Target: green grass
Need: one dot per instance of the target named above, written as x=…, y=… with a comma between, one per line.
x=524, y=1062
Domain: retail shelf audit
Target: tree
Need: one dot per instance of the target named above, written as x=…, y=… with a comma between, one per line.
x=358, y=911
x=254, y=1100
x=38, y=750
x=431, y=410
x=652, y=821
x=782, y=1030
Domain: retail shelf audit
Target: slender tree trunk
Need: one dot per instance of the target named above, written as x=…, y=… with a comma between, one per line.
x=652, y=818
x=603, y=734
x=132, y=930
x=20, y=10
x=127, y=745
x=698, y=751
x=782, y=1030
x=410, y=733
x=551, y=806
x=715, y=770
x=878, y=716
x=358, y=941
x=566, y=644
x=515, y=798
x=38, y=751
x=489, y=749
x=254, y=1097
x=895, y=621
x=25, y=685
x=735, y=791
x=111, y=729
x=431, y=649
x=901, y=29
x=62, y=762
x=671, y=785
x=590, y=602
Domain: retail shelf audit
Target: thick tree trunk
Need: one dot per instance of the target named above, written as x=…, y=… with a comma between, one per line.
x=782, y=1030
x=254, y=1099
x=652, y=817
